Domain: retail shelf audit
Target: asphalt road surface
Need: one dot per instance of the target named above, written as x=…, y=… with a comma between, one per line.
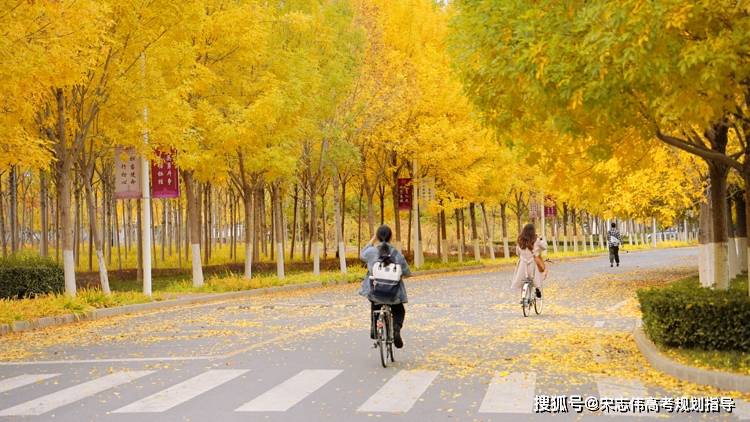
x=306, y=356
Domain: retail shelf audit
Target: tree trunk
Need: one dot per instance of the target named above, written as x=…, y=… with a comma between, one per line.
x=192, y=191
x=504, y=222
x=139, y=238
x=324, y=223
x=444, y=236
x=91, y=203
x=13, y=208
x=488, y=233
x=370, y=211
x=64, y=166
x=339, y=229
x=294, y=222
x=314, y=240
x=705, y=275
x=575, y=229
x=272, y=215
x=394, y=197
x=459, y=240
x=3, y=234
x=43, y=201
x=249, y=205
x=565, y=227
x=359, y=220
x=474, y=236
x=278, y=229
x=718, y=241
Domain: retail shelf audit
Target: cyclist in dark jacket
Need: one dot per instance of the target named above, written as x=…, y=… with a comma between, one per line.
x=370, y=254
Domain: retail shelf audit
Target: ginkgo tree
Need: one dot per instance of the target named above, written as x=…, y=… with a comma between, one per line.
x=596, y=69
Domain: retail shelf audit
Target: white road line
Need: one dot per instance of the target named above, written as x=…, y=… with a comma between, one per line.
x=513, y=393
x=742, y=411
x=400, y=392
x=22, y=380
x=182, y=392
x=599, y=324
x=617, y=306
x=290, y=392
x=620, y=388
x=75, y=361
x=73, y=394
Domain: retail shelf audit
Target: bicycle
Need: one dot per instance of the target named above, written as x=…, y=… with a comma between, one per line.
x=384, y=334
x=529, y=297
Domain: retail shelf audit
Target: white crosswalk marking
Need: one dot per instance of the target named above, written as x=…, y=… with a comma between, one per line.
x=400, y=392
x=73, y=394
x=742, y=411
x=290, y=392
x=22, y=380
x=182, y=392
x=513, y=393
x=620, y=388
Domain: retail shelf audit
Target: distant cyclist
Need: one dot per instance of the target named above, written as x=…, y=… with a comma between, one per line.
x=530, y=263
x=614, y=240
x=385, y=252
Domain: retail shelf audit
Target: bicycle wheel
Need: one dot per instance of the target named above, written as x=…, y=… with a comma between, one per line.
x=382, y=339
x=537, y=304
x=525, y=299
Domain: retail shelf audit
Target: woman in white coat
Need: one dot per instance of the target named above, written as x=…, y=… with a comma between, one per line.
x=530, y=263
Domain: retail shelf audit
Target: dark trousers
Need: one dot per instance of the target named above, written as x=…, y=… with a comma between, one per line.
x=614, y=254
x=398, y=311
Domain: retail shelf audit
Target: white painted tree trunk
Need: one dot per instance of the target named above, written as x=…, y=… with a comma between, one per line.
x=477, y=253
x=280, y=259
x=196, y=263
x=103, y=278
x=720, y=264
x=337, y=221
x=732, y=257
x=575, y=243
x=704, y=264
x=653, y=232
x=506, y=248
x=248, y=259
x=742, y=249
x=69, y=268
x=316, y=258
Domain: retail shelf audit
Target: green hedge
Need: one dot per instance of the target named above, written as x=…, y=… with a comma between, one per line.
x=28, y=276
x=689, y=316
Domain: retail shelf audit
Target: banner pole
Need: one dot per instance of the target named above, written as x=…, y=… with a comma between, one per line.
x=146, y=203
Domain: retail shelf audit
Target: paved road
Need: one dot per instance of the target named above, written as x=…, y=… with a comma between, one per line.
x=306, y=356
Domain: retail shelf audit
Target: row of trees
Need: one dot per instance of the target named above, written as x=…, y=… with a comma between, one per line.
x=306, y=99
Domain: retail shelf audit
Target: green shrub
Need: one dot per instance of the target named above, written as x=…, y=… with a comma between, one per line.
x=689, y=316
x=28, y=276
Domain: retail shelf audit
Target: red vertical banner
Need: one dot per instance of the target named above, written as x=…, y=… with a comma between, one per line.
x=127, y=174
x=404, y=193
x=164, y=176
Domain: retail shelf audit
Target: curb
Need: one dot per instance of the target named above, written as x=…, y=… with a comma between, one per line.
x=719, y=379
x=21, y=326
